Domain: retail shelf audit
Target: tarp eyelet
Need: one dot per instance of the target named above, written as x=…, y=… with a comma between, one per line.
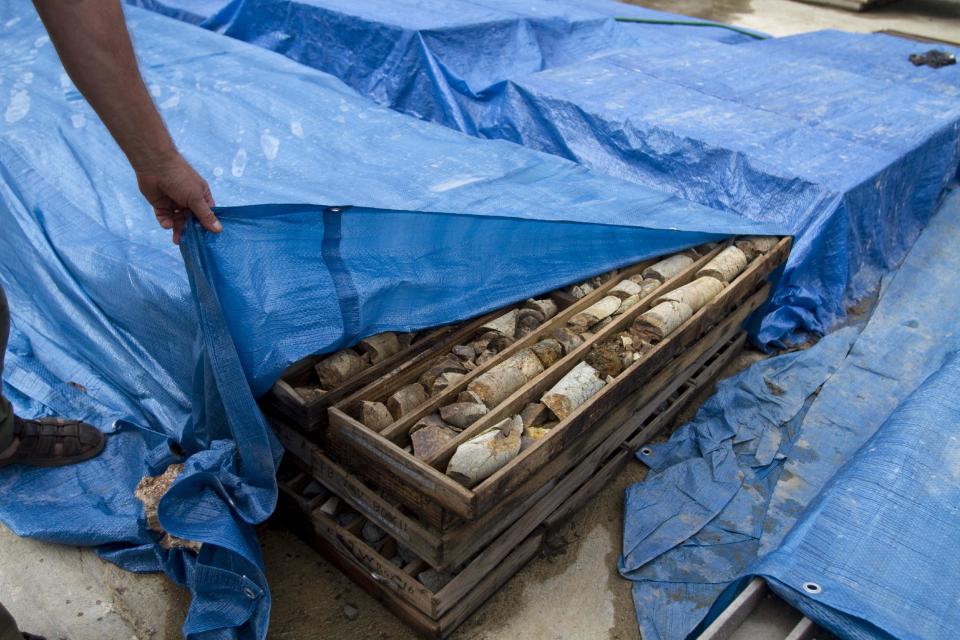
x=812, y=587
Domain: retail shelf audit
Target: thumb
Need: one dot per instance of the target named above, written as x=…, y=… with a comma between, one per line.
x=204, y=214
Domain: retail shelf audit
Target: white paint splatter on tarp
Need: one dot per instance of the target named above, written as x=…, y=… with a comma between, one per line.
x=170, y=102
x=269, y=144
x=296, y=128
x=239, y=163
x=78, y=120
x=18, y=107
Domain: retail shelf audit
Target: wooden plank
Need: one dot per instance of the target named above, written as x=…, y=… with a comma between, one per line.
x=292, y=516
x=427, y=510
x=425, y=543
x=285, y=399
x=916, y=37
x=850, y=5
x=392, y=466
x=385, y=572
x=355, y=567
x=625, y=453
x=694, y=394
x=806, y=629
x=614, y=465
x=491, y=583
x=736, y=612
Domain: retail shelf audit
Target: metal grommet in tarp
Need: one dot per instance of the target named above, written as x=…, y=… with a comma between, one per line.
x=646, y=451
x=812, y=588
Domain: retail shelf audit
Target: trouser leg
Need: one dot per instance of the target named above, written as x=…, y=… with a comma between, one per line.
x=8, y=626
x=6, y=411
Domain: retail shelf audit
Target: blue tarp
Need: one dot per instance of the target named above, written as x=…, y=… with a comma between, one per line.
x=728, y=487
x=836, y=136
x=108, y=327
x=694, y=525
x=875, y=556
x=433, y=59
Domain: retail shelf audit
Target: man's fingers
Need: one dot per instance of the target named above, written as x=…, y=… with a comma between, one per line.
x=202, y=211
x=208, y=197
x=176, y=191
x=165, y=220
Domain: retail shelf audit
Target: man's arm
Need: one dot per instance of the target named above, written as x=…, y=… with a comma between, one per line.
x=92, y=41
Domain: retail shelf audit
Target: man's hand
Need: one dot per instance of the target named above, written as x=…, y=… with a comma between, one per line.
x=176, y=191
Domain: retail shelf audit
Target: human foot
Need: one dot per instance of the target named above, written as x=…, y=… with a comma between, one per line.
x=51, y=442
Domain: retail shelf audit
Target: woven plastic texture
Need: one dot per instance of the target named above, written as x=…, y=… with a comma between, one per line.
x=109, y=326
x=727, y=488
x=835, y=136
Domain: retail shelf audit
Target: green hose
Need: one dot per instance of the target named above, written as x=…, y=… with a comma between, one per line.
x=694, y=23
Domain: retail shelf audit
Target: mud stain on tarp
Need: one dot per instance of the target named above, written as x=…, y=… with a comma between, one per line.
x=717, y=10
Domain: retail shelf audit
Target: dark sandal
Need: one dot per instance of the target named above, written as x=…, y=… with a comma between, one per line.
x=53, y=442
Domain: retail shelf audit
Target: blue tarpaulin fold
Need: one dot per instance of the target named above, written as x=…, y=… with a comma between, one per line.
x=875, y=555
x=108, y=326
x=876, y=532
x=836, y=136
x=693, y=526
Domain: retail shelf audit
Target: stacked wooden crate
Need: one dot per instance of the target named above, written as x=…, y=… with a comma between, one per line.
x=544, y=419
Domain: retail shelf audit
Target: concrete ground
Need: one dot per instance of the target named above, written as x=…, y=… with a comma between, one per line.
x=68, y=593
x=938, y=19
x=574, y=594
